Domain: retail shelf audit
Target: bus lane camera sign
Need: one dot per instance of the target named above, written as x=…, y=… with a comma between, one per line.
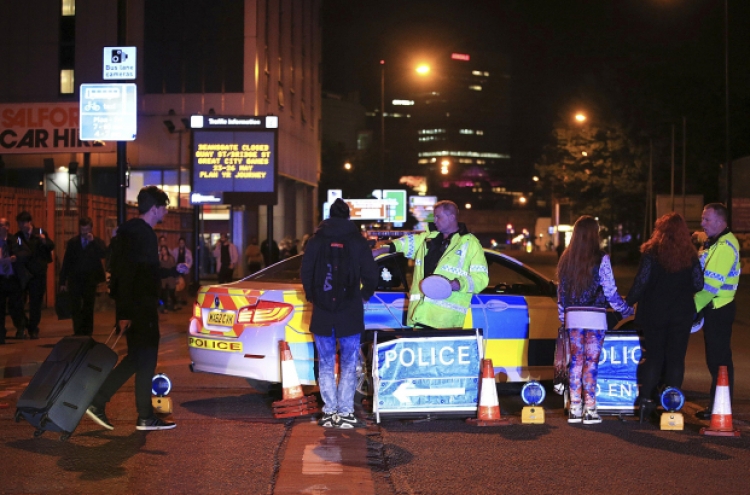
x=427, y=374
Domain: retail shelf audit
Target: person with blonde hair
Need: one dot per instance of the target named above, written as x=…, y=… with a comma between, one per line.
x=586, y=287
x=668, y=277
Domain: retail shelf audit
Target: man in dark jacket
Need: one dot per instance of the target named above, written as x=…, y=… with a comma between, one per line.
x=34, y=252
x=10, y=287
x=82, y=270
x=136, y=285
x=346, y=323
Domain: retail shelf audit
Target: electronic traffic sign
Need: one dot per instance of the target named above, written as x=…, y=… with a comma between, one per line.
x=234, y=160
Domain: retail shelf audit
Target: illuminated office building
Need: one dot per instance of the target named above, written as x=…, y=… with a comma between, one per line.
x=229, y=57
x=461, y=122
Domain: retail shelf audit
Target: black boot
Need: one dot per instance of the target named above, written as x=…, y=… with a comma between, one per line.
x=647, y=407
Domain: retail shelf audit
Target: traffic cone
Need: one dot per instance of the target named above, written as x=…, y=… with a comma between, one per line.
x=294, y=402
x=488, y=413
x=721, y=414
x=289, y=377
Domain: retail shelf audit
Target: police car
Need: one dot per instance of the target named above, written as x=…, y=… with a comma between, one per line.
x=235, y=328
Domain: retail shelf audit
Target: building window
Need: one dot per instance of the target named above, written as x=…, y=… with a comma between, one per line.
x=68, y=7
x=431, y=131
x=475, y=87
x=67, y=82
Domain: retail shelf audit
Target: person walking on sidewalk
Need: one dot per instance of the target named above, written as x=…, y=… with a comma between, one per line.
x=135, y=286
x=586, y=288
x=720, y=259
x=338, y=275
x=10, y=287
x=82, y=270
x=34, y=252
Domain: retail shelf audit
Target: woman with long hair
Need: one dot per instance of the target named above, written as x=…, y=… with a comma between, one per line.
x=586, y=287
x=668, y=277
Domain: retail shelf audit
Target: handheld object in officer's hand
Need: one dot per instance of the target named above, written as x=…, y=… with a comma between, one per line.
x=436, y=287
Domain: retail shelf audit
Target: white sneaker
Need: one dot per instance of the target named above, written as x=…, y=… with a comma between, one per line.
x=591, y=417
x=574, y=414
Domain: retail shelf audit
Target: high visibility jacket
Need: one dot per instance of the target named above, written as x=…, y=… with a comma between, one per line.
x=463, y=260
x=721, y=272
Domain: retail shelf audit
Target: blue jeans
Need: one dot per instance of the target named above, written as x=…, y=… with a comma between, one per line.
x=337, y=399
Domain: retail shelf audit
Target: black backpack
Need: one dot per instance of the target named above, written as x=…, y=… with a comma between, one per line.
x=335, y=280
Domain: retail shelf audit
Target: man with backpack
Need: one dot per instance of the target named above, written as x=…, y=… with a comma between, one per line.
x=135, y=286
x=339, y=275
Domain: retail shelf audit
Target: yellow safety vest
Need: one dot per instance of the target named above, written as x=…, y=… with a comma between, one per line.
x=463, y=260
x=721, y=272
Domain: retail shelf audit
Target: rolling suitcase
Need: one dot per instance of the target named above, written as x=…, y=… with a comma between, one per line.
x=64, y=386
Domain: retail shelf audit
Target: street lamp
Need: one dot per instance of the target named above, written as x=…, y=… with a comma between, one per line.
x=347, y=166
x=423, y=69
x=580, y=118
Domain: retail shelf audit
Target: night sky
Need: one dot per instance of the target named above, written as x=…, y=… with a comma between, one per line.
x=646, y=62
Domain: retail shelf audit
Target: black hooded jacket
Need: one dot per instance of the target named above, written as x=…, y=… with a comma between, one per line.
x=350, y=319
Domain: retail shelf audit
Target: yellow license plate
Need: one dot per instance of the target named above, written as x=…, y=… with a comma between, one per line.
x=214, y=345
x=221, y=318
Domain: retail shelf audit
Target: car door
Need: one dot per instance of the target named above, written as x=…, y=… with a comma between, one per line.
x=518, y=313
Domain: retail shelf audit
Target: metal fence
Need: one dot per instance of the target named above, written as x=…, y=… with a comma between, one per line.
x=58, y=215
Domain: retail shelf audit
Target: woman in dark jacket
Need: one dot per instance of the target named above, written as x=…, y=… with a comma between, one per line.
x=668, y=277
x=587, y=287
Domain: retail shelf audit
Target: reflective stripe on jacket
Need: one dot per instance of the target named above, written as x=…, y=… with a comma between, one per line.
x=463, y=260
x=721, y=272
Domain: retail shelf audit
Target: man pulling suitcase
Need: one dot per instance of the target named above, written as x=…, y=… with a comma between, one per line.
x=135, y=285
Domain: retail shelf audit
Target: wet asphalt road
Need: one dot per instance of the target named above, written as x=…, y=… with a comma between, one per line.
x=227, y=441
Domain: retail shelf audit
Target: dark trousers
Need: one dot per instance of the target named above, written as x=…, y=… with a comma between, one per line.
x=36, y=289
x=10, y=297
x=225, y=275
x=717, y=335
x=139, y=361
x=82, y=309
x=664, y=349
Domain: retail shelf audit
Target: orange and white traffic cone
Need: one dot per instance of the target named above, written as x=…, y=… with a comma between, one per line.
x=294, y=402
x=488, y=413
x=721, y=414
x=290, y=380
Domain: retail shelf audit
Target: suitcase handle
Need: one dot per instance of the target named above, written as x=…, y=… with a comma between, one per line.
x=117, y=339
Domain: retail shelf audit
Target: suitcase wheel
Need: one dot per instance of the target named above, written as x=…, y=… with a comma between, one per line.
x=38, y=433
x=18, y=416
x=43, y=421
x=64, y=437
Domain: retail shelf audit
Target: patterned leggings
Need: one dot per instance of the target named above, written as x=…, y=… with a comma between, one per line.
x=585, y=348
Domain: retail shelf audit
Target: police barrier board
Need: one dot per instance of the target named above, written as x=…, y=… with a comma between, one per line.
x=617, y=383
x=429, y=374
